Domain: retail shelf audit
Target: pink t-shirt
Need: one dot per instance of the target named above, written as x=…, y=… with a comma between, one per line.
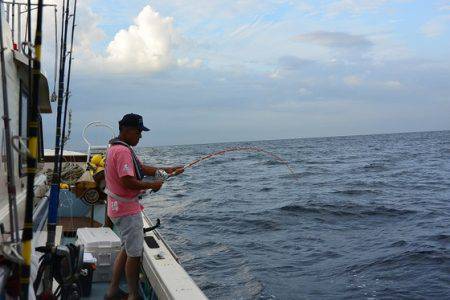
x=119, y=163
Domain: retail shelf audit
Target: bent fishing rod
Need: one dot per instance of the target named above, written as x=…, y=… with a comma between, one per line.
x=241, y=149
x=161, y=175
x=164, y=176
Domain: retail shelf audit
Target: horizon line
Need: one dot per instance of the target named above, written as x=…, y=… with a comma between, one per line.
x=296, y=138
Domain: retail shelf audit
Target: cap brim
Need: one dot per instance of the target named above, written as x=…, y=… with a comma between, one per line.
x=143, y=128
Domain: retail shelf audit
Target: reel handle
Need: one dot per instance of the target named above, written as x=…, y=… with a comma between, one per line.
x=158, y=224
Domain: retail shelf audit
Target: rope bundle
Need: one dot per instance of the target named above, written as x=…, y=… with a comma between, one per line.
x=70, y=173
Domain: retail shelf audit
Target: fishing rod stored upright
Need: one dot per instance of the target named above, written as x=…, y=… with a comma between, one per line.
x=50, y=250
x=32, y=143
x=67, y=93
x=54, y=190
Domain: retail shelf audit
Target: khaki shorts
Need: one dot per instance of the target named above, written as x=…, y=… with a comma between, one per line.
x=131, y=233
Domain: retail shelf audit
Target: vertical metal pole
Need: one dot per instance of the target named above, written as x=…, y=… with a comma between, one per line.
x=13, y=219
x=7, y=12
x=13, y=7
x=19, y=25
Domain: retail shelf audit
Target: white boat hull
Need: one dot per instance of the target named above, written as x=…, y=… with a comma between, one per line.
x=168, y=278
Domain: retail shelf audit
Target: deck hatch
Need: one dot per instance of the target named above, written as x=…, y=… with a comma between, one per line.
x=151, y=242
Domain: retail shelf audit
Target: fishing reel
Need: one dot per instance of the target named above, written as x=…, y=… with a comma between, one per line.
x=161, y=175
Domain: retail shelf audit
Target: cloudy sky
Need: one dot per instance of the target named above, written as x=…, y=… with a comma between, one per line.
x=210, y=71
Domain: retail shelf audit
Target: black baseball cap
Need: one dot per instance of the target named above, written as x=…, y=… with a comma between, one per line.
x=133, y=120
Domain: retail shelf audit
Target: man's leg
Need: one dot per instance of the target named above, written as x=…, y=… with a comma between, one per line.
x=119, y=266
x=132, y=272
x=133, y=242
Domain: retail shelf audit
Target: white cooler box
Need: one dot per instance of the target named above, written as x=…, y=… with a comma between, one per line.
x=104, y=245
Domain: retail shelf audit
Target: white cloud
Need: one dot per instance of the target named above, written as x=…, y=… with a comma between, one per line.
x=275, y=74
x=304, y=91
x=355, y=81
x=335, y=39
x=445, y=5
x=387, y=48
x=189, y=63
x=392, y=84
x=305, y=8
x=436, y=26
x=145, y=46
x=352, y=80
x=87, y=31
x=357, y=7
x=354, y=6
x=246, y=29
x=291, y=62
x=87, y=34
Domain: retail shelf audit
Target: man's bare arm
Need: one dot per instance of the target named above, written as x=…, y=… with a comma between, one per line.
x=150, y=170
x=132, y=183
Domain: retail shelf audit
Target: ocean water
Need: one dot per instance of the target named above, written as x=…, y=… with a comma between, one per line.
x=364, y=217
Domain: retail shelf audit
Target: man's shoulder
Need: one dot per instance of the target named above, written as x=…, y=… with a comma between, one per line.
x=118, y=150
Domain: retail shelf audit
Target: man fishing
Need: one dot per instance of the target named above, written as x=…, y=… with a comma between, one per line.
x=124, y=185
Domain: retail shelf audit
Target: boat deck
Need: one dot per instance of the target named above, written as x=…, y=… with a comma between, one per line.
x=71, y=224
x=98, y=289
x=161, y=274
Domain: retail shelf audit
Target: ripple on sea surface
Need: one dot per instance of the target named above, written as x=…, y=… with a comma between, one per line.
x=363, y=217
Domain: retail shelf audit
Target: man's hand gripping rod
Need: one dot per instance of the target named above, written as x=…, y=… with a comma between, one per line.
x=160, y=175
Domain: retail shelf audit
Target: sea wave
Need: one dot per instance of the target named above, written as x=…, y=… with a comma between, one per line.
x=404, y=260
x=364, y=216
x=345, y=210
x=356, y=192
x=376, y=167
